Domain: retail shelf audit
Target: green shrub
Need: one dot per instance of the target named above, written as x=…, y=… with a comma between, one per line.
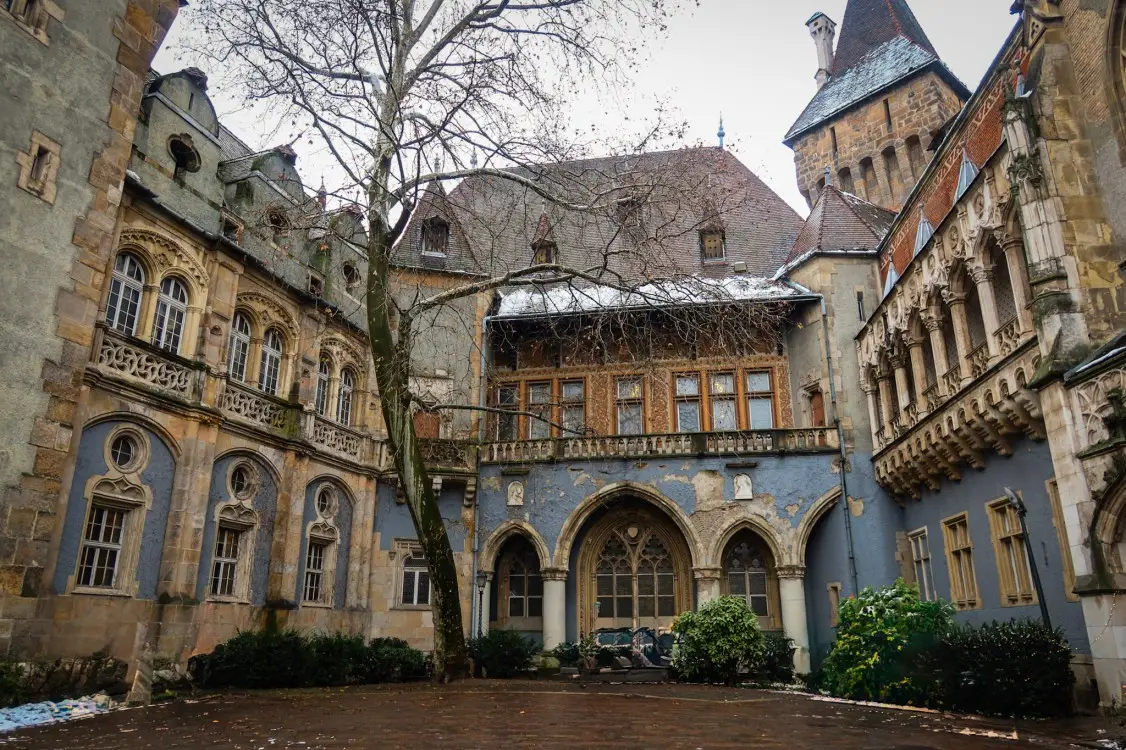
x=886, y=646
x=288, y=658
x=1016, y=668
x=718, y=642
x=13, y=690
x=778, y=660
x=567, y=653
x=503, y=653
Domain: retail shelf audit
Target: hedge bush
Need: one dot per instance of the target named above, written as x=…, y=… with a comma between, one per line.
x=718, y=643
x=892, y=647
x=503, y=653
x=289, y=658
x=777, y=660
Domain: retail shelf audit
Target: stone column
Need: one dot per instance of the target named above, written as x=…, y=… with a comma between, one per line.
x=919, y=375
x=983, y=279
x=938, y=349
x=957, y=304
x=707, y=585
x=484, y=604
x=873, y=414
x=791, y=587
x=554, y=607
x=906, y=168
x=902, y=387
x=859, y=183
x=887, y=404
x=1018, y=273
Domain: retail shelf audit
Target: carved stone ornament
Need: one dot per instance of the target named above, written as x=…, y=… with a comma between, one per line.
x=516, y=493
x=269, y=312
x=743, y=487
x=166, y=253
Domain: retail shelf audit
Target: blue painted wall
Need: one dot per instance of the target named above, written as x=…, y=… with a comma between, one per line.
x=343, y=523
x=264, y=504
x=826, y=562
x=1025, y=471
x=393, y=519
x=158, y=475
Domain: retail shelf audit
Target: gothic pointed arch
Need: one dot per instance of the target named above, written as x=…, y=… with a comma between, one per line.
x=166, y=254
x=504, y=533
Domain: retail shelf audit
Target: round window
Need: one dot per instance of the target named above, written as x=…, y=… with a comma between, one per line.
x=123, y=451
x=240, y=481
x=324, y=501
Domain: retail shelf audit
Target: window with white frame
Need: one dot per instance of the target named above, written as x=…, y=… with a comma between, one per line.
x=238, y=348
x=344, y=397
x=630, y=406
x=225, y=562
x=324, y=372
x=574, y=407
x=100, y=554
x=688, y=403
x=416, y=580
x=171, y=307
x=921, y=558
x=539, y=404
x=125, y=290
x=760, y=401
x=315, y=559
x=269, y=371
x=725, y=417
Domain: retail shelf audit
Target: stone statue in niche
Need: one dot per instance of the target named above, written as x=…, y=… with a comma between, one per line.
x=743, y=489
x=516, y=493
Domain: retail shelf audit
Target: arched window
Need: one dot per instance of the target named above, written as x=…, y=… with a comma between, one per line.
x=1003, y=295
x=125, y=290
x=344, y=397
x=323, y=371
x=171, y=307
x=238, y=349
x=746, y=569
x=270, y=369
x=525, y=586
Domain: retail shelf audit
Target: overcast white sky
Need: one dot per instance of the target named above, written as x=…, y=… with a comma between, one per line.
x=751, y=59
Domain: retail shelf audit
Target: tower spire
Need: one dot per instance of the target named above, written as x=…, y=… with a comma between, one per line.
x=722, y=133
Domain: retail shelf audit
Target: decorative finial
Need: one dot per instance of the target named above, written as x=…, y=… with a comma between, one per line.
x=722, y=133
x=322, y=194
x=828, y=176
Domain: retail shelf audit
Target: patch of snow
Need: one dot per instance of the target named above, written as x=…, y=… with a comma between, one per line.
x=564, y=299
x=50, y=712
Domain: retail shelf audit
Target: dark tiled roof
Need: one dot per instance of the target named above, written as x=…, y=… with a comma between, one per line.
x=868, y=24
x=840, y=222
x=500, y=218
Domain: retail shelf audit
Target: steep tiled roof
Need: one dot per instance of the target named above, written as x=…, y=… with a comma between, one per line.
x=869, y=24
x=840, y=222
x=501, y=218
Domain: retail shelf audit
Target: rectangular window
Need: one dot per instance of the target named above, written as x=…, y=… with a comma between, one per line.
x=314, y=571
x=123, y=306
x=688, y=403
x=921, y=557
x=712, y=246
x=225, y=563
x=860, y=306
x=574, y=407
x=760, y=401
x=834, y=604
x=416, y=580
x=960, y=561
x=833, y=136
x=1061, y=537
x=101, y=547
x=539, y=404
x=169, y=326
x=887, y=114
x=508, y=396
x=1012, y=562
x=630, y=406
x=722, y=394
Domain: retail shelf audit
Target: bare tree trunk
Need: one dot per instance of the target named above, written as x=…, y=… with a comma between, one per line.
x=392, y=372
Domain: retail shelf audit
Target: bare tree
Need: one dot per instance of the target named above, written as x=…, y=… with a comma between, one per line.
x=414, y=97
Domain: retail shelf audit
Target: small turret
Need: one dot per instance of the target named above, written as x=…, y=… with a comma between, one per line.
x=824, y=33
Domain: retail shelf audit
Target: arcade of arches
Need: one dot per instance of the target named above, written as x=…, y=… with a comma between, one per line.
x=631, y=566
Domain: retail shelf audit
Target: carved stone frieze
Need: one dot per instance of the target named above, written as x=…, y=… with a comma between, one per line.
x=137, y=362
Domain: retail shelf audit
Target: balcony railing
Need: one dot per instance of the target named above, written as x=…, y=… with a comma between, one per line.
x=141, y=363
x=1008, y=337
x=979, y=361
x=258, y=409
x=931, y=398
x=811, y=440
x=337, y=438
x=952, y=380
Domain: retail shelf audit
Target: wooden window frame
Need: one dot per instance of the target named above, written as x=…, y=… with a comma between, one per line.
x=927, y=592
x=564, y=404
x=733, y=397
x=722, y=257
x=618, y=402
x=747, y=394
x=700, y=399
x=1010, y=552
x=514, y=407
x=546, y=410
x=1051, y=486
x=961, y=601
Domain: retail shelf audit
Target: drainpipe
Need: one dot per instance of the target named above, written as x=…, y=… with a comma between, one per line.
x=475, y=601
x=841, y=443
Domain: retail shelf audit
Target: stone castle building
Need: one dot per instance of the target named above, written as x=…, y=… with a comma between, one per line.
x=194, y=443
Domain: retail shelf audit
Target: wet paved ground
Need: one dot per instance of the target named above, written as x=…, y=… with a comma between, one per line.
x=496, y=715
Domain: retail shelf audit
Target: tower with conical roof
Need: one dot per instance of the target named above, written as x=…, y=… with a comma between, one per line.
x=883, y=97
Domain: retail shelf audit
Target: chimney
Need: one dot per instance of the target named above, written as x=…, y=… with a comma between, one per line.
x=824, y=33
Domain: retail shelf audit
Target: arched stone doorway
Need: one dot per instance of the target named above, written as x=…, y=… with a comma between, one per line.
x=751, y=573
x=634, y=569
x=517, y=589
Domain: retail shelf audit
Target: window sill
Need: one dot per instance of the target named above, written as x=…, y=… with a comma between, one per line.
x=1014, y=602
x=412, y=607
x=39, y=35
x=226, y=600
x=92, y=591
x=714, y=261
x=317, y=605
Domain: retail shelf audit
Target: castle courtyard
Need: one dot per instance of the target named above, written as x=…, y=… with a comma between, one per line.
x=519, y=714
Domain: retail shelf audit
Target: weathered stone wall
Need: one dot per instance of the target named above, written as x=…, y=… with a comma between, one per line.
x=919, y=107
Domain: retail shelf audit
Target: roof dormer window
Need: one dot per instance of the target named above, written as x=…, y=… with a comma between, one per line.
x=435, y=237
x=184, y=154
x=713, y=247
x=545, y=253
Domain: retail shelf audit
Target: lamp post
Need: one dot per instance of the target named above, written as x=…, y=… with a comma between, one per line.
x=1022, y=511
x=482, y=582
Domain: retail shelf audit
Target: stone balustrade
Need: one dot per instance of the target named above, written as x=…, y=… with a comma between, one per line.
x=1008, y=337
x=258, y=409
x=979, y=361
x=336, y=438
x=811, y=440
x=141, y=364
